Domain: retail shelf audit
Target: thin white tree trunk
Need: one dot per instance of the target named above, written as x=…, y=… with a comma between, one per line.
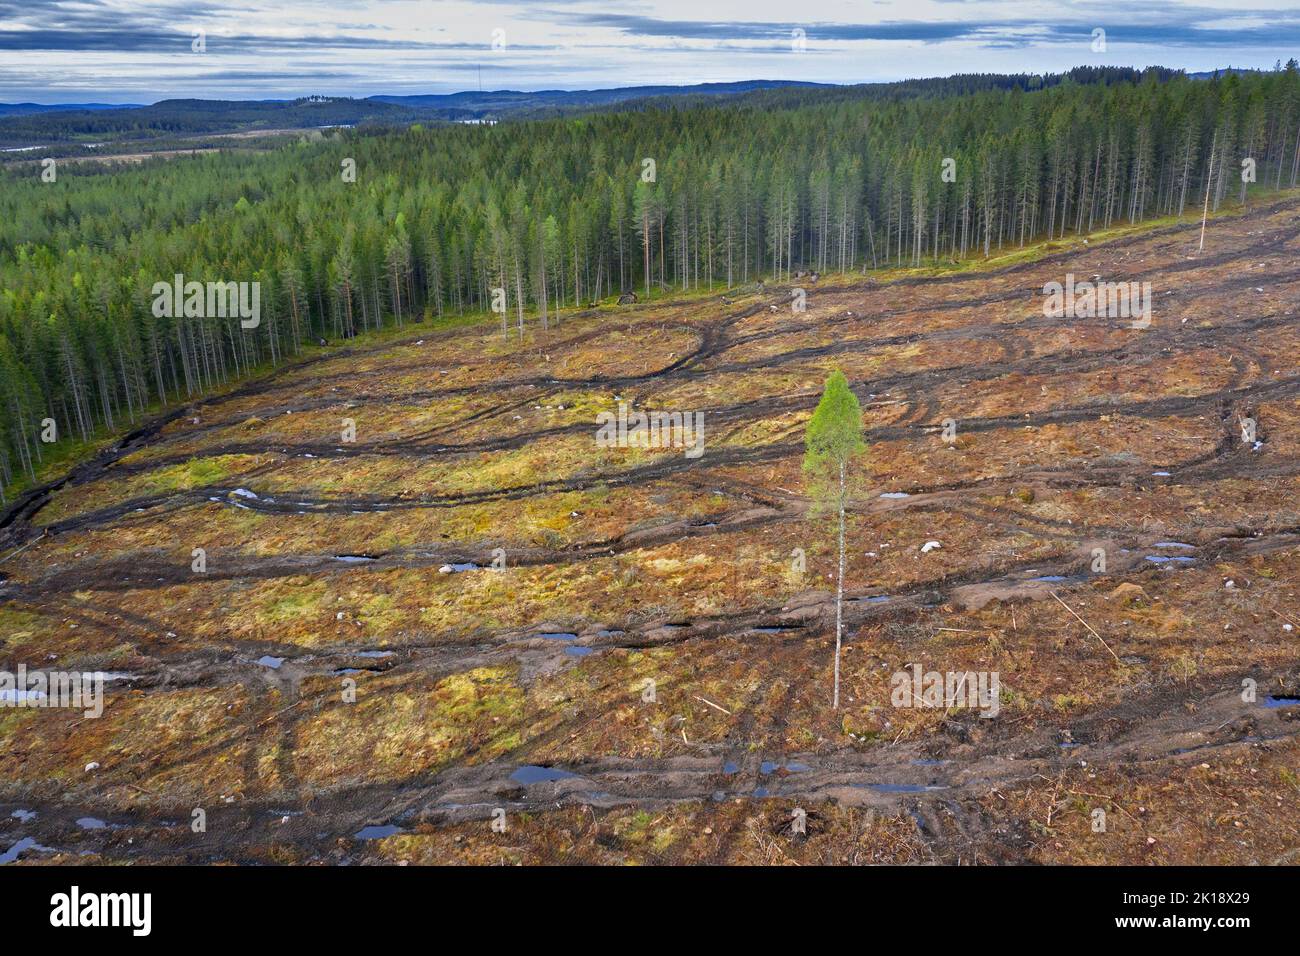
x=1209, y=177
x=839, y=598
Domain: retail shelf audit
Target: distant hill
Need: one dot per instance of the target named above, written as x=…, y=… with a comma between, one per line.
x=515, y=101
x=186, y=122
x=32, y=124
x=188, y=118
x=1211, y=74
x=23, y=109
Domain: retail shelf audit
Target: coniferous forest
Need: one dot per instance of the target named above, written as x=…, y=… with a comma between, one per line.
x=559, y=213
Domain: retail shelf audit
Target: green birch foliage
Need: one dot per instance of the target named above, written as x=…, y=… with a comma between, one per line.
x=833, y=439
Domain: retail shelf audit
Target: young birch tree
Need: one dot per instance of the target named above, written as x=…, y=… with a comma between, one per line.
x=834, y=439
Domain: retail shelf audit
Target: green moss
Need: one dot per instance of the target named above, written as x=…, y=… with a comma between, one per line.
x=195, y=473
x=484, y=692
x=303, y=600
x=13, y=622
x=12, y=720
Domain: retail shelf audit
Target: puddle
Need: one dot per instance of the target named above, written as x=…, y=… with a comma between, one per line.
x=1174, y=544
x=19, y=696
x=874, y=599
x=266, y=660
x=895, y=494
x=353, y=558
x=23, y=816
x=457, y=567
x=1049, y=577
x=92, y=823
x=610, y=633
x=730, y=767
x=530, y=773
x=374, y=653
x=577, y=651
x=558, y=636
x=26, y=843
x=244, y=493
x=1168, y=558
x=377, y=832
x=1285, y=700
x=760, y=792
x=774, y=629
x=1160, y=474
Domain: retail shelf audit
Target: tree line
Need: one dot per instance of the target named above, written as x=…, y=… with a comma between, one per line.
x=549, y=215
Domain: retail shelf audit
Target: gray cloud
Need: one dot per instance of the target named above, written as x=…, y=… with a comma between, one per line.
x=93, y=49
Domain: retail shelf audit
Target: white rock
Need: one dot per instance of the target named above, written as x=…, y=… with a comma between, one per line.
x=93, y=765
x=930, y=546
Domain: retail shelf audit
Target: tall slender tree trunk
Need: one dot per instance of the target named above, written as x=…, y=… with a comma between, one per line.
x=1209, y=176
x=839, y=598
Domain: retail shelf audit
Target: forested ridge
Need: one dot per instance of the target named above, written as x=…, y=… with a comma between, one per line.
x=180, y=118
x=20, y=127
x=557, y=213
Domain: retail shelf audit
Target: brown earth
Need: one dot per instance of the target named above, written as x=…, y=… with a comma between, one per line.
x=1121, y=689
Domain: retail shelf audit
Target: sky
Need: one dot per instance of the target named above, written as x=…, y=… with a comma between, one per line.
x=124, y=51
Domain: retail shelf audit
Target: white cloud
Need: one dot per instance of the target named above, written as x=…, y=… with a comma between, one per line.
x=139, y=51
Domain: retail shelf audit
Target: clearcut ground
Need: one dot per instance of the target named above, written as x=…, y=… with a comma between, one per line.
x=1122, y=689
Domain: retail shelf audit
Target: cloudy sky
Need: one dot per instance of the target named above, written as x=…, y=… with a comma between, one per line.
x=56, y=51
